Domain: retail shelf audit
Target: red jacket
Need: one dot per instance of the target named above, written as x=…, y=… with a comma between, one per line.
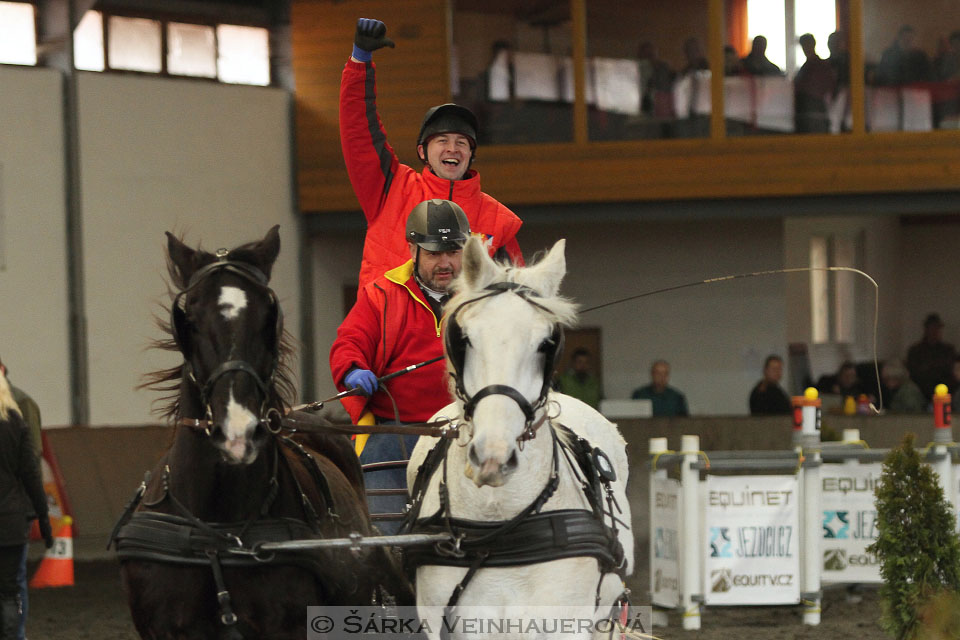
x=388, y=190
x=391, y=327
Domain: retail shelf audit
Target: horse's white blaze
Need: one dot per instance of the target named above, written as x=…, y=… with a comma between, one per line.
x=232, y=301
x=238, y=423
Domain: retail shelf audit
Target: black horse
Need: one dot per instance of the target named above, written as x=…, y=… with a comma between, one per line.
x=231, y=480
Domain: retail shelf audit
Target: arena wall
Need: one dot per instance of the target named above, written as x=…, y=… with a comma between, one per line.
x=102, y=468
x=33, y=236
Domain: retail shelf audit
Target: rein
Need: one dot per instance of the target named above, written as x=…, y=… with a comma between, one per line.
x=302, y=422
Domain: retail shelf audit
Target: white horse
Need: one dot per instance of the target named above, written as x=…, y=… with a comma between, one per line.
x=502, y=330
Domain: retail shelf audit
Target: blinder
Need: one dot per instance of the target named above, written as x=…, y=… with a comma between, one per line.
x=180, y=324
x=456, y=343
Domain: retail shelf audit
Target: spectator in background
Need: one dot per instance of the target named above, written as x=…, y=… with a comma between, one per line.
x=731, y=61
x=696, y=61
x=656, y=77
x=813, y=85
x=756, y=62
x=903, y=62
x=955, y=387
x=847, y=383
x=947, y=64
x=666, y=400
x=930, y=361
x=579, y=380
x=839, y=57
x=905, y=396
x=768, y=397
x=31, y=416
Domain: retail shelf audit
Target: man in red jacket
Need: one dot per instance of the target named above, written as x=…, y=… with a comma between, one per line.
x=396, y=323
x=388, y=190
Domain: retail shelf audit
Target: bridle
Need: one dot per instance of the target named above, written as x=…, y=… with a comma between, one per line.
x=456, y=344
x=179, y=326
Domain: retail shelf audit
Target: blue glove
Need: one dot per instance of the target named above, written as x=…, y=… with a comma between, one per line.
x=362, y=378
x=371, y=35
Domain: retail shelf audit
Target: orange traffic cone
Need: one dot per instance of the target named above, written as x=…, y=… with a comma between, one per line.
x=56, y=568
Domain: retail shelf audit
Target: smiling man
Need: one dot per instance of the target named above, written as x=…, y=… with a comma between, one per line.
x=387, y=189
x=395, y=323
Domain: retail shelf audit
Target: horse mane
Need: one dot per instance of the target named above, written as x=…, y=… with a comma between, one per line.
x=560, y=310
x=168, y=381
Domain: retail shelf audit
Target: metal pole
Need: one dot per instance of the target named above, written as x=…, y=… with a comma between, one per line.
x=690, y=560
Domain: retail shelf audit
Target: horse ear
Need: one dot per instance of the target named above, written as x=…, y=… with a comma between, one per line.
x=182, y=259
x=478, y=268
x=545, y=276
x=268, y=249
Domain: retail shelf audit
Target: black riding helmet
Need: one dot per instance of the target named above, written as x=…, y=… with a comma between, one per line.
x=438, y=225
x=448, y=118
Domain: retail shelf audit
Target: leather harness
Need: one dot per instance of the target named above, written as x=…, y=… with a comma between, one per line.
x=532, y=536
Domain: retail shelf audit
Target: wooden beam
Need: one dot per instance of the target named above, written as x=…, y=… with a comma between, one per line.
x=715, y=40
x=578, y=24
x=857, y=89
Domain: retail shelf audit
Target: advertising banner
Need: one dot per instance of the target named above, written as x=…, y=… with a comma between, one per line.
x=752, y=543
x=665, y=539
x=849, y=522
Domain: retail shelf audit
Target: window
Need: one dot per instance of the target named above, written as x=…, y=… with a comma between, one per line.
x=88, y=43
x=817, y=17
x=191, y=50
x=833, y=294
x=772, y=20
x=134, y=44
x=244, y=54
x=228, y=53
x=18, y=33
x=768, y=19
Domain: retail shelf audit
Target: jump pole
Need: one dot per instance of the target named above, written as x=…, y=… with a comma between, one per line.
x=806, y=438
x=690, y=525
x=657, y=446
x=942, y=439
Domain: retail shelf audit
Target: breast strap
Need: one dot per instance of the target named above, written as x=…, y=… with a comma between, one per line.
x=541, y=537
x=163, y=537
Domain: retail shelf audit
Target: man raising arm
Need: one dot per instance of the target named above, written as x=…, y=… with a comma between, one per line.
x=387, y=190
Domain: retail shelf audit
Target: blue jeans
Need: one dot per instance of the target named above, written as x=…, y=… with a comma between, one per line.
x=385, y=447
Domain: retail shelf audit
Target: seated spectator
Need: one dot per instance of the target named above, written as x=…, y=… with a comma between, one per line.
x=847, y=383
x=666, y=400
x=731, y=61
x=756, y=62
x=930, y=361
x=903, y=62
x=579, y=380
x=904, y=394
x=696, y=61
x=813, y=85
x=768, y=397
